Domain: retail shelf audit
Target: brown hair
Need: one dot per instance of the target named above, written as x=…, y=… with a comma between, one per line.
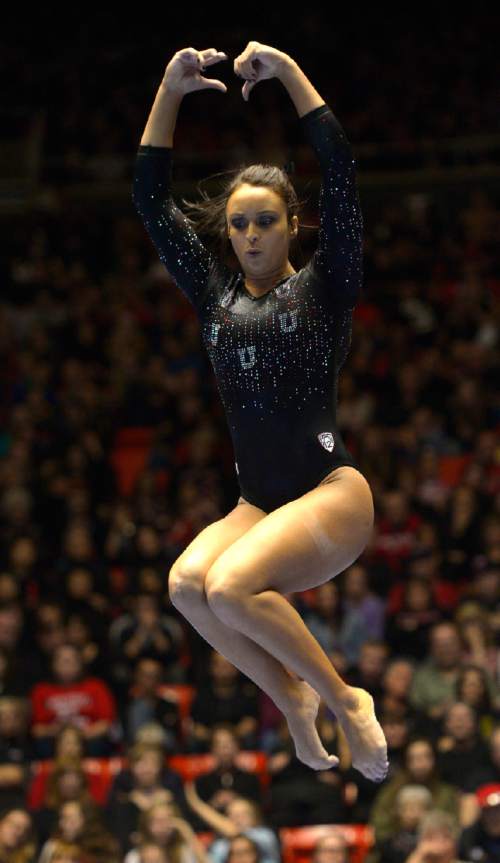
x=175, y=843
x=208, y=216
x=24, y=853
x=96, y=841
x=53, y=797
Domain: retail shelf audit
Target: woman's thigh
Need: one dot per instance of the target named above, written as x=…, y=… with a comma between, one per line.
x=209, y=543
x=304, y=542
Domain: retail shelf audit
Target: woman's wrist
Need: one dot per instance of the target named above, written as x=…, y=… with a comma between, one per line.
x=302, y=93
x=160, y=127
x=286, y=67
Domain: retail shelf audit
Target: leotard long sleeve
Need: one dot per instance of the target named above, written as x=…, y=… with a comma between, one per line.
x=276, y=357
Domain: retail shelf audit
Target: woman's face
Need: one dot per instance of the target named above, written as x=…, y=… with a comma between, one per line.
x=472, y=689
x=147, y=769
x=420, y=760
x=327, y=596
x=71, y=821
x=418, y=596
x=411, y=813
x=14, y=828
x=256, y=218
x=69, y=744
x=160, y=824
x=241, y=813
x=241, y=851
x=71, y=784
x=67, y=665
x=398, y=678
x=333, y=849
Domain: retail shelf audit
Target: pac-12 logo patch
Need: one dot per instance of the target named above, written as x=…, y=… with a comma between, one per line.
x=326, y=440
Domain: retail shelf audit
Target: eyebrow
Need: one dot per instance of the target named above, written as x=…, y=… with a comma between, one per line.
x=239, y=213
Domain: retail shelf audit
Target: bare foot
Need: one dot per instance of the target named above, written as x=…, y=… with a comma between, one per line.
x=364, y=735
x=301, y=719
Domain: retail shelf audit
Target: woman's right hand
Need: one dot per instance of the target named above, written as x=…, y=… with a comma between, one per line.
x=182, y=74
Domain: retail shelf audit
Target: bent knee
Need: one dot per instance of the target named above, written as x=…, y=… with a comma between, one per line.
x=186, y=585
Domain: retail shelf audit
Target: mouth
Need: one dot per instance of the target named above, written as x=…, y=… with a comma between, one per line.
x=253, y=252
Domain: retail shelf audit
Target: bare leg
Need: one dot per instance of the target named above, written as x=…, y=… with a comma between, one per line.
x=302, y=544
x=296, y=699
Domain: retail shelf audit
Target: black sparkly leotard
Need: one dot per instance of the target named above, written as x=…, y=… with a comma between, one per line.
x=276, y=358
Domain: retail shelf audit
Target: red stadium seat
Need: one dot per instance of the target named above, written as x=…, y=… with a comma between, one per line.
x=298, y=842
x=129, y=455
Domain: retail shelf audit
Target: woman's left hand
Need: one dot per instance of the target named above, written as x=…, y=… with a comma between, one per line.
x=258, y=62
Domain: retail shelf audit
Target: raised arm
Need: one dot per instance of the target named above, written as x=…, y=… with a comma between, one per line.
x=185, y=257
x=339, y=254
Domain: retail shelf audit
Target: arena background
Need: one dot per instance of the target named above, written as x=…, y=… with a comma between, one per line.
x=114, y=450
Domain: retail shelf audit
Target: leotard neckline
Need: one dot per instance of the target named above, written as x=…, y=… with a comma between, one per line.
x=252, y=297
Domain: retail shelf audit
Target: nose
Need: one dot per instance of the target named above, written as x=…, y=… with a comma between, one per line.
x=252, y=235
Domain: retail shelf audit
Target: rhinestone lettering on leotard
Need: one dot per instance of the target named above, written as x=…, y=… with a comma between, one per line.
x=276, y=357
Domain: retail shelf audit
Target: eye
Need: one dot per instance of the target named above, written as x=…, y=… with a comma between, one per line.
x=264, y=220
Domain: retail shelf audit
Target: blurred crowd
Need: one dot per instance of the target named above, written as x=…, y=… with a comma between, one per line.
x=95, y=340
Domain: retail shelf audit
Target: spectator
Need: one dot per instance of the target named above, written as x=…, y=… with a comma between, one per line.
x=12, y=619
x=242, y=817
x=146, y=631
x=48, y=632
x=161, y=824
x=146, y=780
x=420, y=769
x=243, y=847
x=146, y=705
x=437, y=839
x=89, y=641
x=359, y=597
x=369, y=670
x=394, y=699
x=331, y=848
x=480, y=649
x=397, y=732
x=69, y=745
x=472, y=688
x=407, y=630
x=72, y=696
x=80, y=823
x=226, y=780
x=68, y=852
x=434, y=681
x=17, y=837
x=459, y=531
x=485, y=588
x=481, y=840
x=483, y=775
x=330, y=624
x=412, y=803
x=461, y=749
x=150, y=852
x=67, y=782
x=298, y=795
x=15, y=752
x=9, y=681
x=225, y=695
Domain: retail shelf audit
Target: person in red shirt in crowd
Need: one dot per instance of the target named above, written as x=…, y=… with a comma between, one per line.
x=73, y=697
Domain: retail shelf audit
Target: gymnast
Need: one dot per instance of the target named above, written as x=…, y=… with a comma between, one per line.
x=276, y=338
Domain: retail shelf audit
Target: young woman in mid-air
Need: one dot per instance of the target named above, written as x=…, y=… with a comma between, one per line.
x=277, y=338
